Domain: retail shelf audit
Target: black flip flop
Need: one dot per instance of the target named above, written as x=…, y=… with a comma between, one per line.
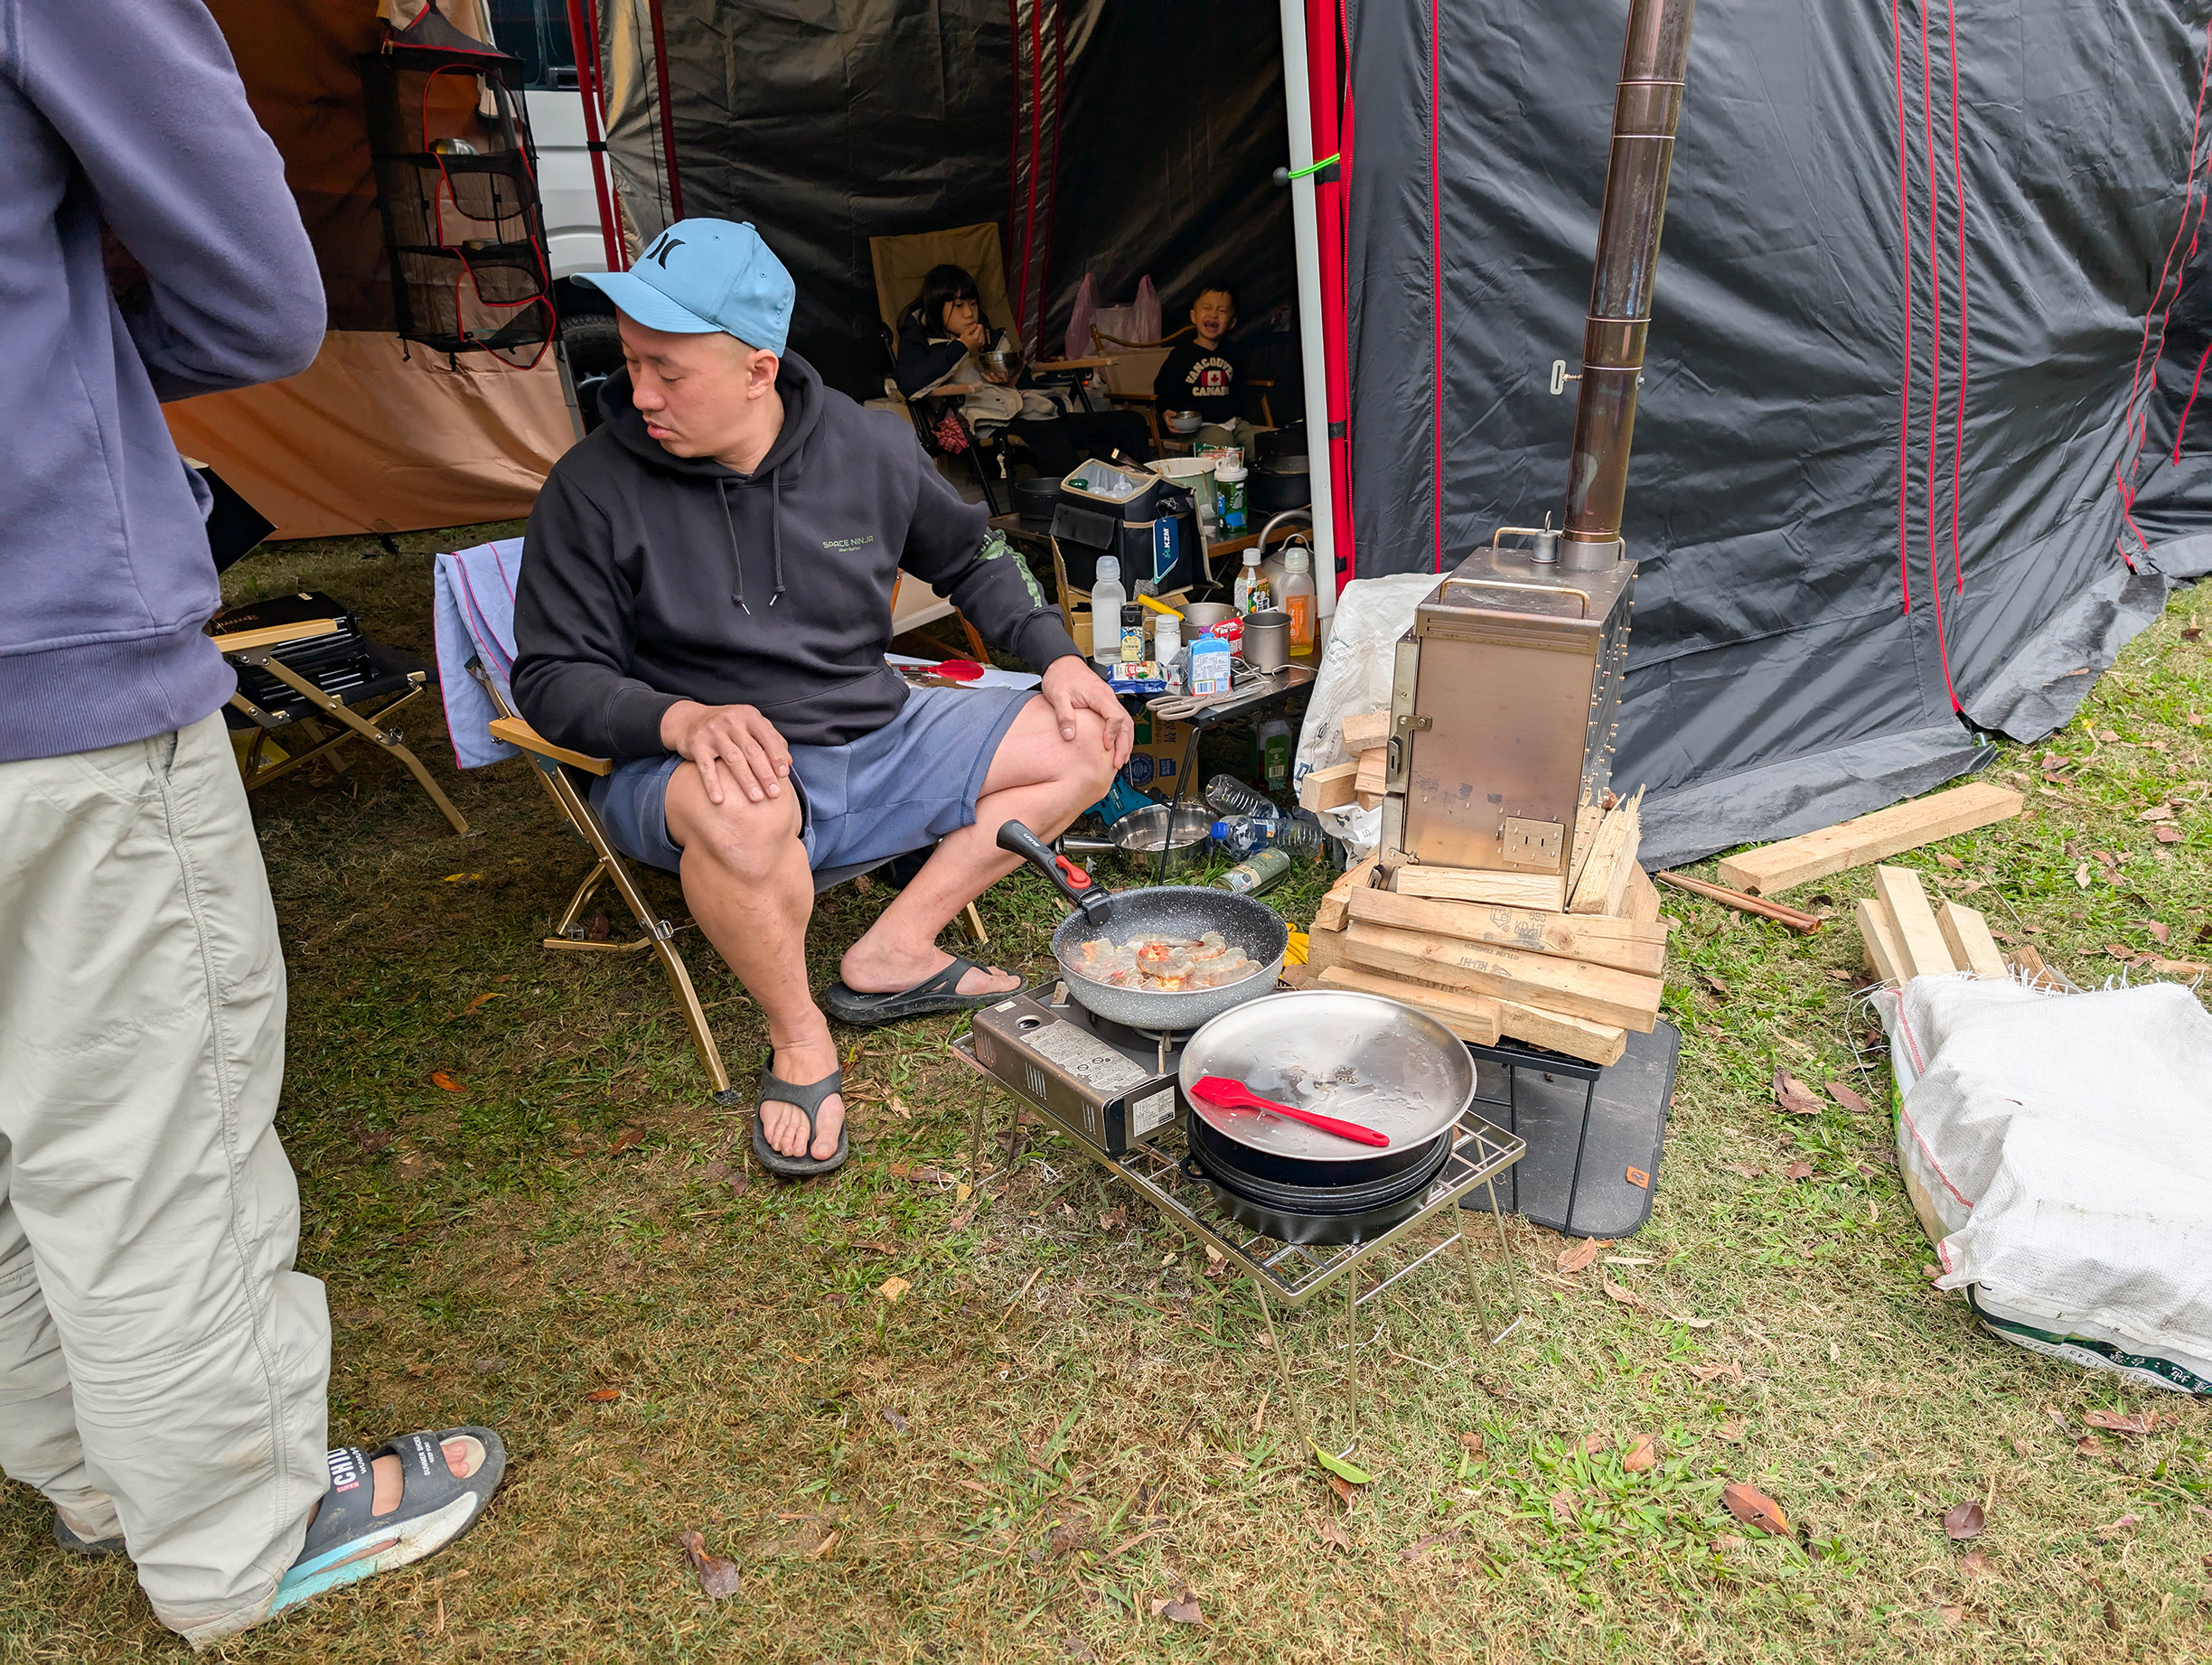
x=92, y=1548
x=924, y=999
x=810, y=1100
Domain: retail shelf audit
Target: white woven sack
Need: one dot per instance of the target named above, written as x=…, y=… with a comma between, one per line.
x=1354, y=676
x=2060, y=1149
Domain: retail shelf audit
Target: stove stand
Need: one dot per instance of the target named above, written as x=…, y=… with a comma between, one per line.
x=1154, y=1166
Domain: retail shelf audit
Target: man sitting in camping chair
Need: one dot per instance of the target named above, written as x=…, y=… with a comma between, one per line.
x=705, y=596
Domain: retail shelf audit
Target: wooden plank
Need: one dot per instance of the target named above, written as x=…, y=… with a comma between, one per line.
x=1870, y=839
x=515, y=731
x=1623, y=944
x=1367, y=800
x=1567, y=986
x=1469, y=1016
x=1328, y=789
x=1373, y=773
x=1966, y=933
x=1605, y=878
x=1366, y=730
x=1324, y=949
x=1641, y=903
x=1576, y=1037
x=1541, y=891
x=1882, y=957
x=1588, y=819
x=1919, y=938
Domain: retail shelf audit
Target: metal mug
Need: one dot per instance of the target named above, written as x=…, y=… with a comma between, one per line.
x=1267, y=641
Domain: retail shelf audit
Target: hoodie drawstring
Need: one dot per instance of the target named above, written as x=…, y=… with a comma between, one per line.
x=775, y=536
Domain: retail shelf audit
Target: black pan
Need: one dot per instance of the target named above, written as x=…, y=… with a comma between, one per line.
x=1159, y=910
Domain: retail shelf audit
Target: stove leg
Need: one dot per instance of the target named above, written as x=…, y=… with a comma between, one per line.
x=1512, y=1262
x=1473, y=1277
x=1283, y=1365
x=975, y=1143
x=1351, y=1325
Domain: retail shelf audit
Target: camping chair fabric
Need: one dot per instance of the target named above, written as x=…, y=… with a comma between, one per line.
x=902, y=262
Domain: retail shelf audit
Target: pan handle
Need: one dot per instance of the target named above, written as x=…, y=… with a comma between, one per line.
x=1072, y=882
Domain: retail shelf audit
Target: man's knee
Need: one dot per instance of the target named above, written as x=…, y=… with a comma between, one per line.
x=1088, y=765
x=749, y=841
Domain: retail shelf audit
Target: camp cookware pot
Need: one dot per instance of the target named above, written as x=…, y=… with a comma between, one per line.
x=1273, y=487
x=1267, y=641
x=1033, y=498
x=1138, y=835
x=1155, y=911
x=1200, y=616
x=1340, y=1052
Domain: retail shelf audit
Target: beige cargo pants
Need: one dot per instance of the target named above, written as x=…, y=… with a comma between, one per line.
x=161, y=1366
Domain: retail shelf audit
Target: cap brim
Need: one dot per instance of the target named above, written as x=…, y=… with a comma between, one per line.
x=640, y=300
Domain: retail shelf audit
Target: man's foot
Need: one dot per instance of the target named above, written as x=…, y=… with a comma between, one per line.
x=385, y=1476
x=784, y=1125
x=870, y=968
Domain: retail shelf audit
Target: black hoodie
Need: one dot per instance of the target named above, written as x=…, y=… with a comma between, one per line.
x=649, y=578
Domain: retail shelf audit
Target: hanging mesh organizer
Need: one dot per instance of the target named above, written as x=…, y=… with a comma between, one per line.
x=457, y=184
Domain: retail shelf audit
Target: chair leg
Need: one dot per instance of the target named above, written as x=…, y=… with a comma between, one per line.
x=387, y=738
x=976, y=649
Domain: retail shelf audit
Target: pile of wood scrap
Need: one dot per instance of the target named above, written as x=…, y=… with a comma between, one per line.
x=1906, y=938
x=1573, y=982
x=1366, y=737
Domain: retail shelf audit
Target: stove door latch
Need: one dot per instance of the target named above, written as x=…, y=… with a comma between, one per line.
x=1406, y=727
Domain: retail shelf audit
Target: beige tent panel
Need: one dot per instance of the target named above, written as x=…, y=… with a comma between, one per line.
x=366, y=439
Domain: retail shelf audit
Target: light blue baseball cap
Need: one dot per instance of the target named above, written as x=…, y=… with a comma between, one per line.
x=700, y=276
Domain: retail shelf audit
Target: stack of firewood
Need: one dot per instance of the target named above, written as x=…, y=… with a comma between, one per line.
x=1568, y=964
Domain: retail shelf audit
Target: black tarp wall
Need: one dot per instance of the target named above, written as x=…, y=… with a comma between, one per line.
x=1777, y=680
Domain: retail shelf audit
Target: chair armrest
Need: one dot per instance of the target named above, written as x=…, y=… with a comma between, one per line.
x=515, y=731
x=273, y=635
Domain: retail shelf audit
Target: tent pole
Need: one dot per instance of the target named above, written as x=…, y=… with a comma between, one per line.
x=583, y=47
x=1299, y=97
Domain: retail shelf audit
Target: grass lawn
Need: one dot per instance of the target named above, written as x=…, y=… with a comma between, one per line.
x=528, y=1214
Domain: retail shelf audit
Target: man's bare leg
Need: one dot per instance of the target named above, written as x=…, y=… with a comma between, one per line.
x=746, y=875
x=1036, y=778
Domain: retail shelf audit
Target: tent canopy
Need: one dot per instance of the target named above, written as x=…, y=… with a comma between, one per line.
x=1803, y=620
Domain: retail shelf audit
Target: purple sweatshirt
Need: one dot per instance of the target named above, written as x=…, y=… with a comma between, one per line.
x=126, y=112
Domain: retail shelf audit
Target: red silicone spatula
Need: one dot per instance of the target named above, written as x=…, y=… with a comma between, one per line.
x=1235, y=1096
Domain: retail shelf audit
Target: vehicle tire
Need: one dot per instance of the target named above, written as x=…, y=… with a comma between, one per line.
x=593, y=346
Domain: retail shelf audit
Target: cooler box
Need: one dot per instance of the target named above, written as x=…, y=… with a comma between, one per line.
x=1150, y=524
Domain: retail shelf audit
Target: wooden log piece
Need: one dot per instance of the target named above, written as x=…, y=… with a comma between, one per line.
x=1471, y=1017
x=1870, y=839
x=1366, y=730
x=1373, y=773
x=1641, y=904
x=1966, y=933
x=1328, y=789
x=1919, y=938
x=1541, y=891
x=1330, y=914
x=1883, y=958
x=1624, y=944
x=1578, y=1037
x=1567, y=986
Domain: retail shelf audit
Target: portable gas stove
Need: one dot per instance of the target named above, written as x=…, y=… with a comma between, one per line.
x=1112, y=1091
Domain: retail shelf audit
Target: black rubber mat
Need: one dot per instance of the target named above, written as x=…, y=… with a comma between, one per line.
x=1620, y=1153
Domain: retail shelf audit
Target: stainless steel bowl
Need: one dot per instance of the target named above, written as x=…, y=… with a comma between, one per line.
x=1136, y=838
x=1007, y=362
x=1204, y=616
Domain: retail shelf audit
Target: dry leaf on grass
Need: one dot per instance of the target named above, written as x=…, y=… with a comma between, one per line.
x=1755, y=1509
x=2167, y=835
x=2081, y=876
x=447, y=1080
x=2090, y=1445
x=2120, y=1424
x=1344, y=1489
x=1182, y=1610
x=717, y=1578
x=897, y=1422
x=1845, y=1097
x=2157, y=812
x=1715, y=983
x=1472, y=1444
x=1962, y=1522
x=1574, y=1260
x=494, y=994
x=1642, y=1455
x=1746, y=1169
x=1798, y=1170
x=603, y=1396
x=628, y=1138
x=1562, y=1503
x=1731, y=1432
x=2120, y=1527
x=1419, y=1548
x=891, y=1288
x=1592, y=1444
x=1333, y=1536
x=2160, y=929
x=1975, y=1563
x=1952, y=1614
x=1792, y=1095
x=1626, y=1297
x=1714, y=1372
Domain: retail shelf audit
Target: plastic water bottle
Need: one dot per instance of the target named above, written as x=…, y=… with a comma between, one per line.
x=1265, y=822
x=1233, y=834
x=1107, y=600
x=1227, y=795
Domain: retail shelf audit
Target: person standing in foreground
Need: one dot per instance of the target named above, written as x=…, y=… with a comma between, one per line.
x=163, y=1368
x=706, y=598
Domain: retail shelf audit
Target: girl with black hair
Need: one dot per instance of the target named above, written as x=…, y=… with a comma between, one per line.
x=938, y=337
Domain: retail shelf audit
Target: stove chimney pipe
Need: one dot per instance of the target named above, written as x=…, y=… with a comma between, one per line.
x=1645, y=111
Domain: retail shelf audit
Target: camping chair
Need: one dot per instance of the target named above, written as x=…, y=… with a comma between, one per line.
x=325, y=704
x=476, y=626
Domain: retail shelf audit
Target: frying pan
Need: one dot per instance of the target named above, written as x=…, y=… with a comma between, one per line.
x=1157, y=910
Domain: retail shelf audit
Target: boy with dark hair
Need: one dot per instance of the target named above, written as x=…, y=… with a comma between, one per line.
x=1199, y=377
